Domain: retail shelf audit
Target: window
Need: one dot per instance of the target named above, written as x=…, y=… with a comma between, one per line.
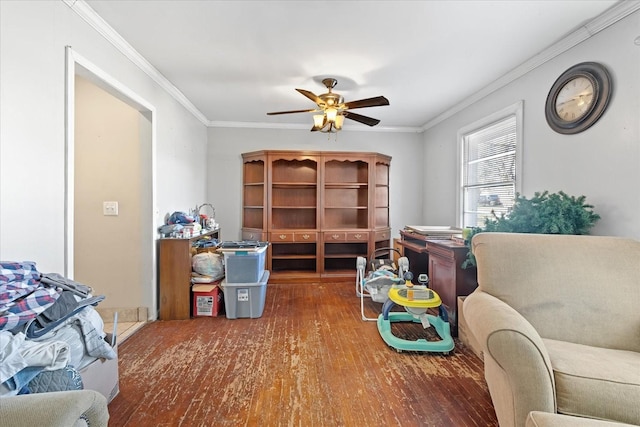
x=490, y=154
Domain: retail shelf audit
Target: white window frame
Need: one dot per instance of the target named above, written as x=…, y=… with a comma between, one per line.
x=514, y=109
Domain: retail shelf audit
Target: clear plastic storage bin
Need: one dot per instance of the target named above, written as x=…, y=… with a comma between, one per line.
x=242, y=300
x=244, y=265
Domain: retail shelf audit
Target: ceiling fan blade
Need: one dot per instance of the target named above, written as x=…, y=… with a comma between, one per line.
x=369, y=102
x=275, y=113
x=360, y=118
x=312, y=96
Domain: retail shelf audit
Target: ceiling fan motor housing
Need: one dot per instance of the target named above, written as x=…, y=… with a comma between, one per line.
x=331, y=99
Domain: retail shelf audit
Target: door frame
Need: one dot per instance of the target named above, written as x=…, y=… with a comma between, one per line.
x=76, y=64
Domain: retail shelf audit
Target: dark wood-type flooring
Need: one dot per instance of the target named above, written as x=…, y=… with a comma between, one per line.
x=308, y=361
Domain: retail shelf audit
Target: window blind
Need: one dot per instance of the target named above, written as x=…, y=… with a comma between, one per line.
x=489, y=171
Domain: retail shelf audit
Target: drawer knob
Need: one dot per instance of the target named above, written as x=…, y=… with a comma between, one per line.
x=283, y=236
x=305, y=236
x=335, y=236
x=358, y=236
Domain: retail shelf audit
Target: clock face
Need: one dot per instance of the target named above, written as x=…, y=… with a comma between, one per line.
x=578, y=98
x=575, y=99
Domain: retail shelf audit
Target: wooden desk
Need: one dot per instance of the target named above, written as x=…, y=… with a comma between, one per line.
x=442, y=261
x=448, y=278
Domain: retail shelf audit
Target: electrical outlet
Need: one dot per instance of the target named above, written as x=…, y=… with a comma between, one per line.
x=110, y=208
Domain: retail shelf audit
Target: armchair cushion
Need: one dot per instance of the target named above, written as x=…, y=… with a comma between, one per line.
x=545, y=419
x=597, y=382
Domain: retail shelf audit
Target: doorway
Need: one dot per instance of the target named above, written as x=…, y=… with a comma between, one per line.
x=110, y=190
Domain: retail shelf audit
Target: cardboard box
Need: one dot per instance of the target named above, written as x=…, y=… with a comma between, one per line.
x=464, y=334
x=102, y=374
x=207, y=299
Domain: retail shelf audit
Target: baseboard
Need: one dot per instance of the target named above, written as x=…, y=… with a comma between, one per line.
x=130, y=314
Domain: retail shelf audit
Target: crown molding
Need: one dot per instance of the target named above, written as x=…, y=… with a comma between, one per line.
x=602, y=21
x=105, y=30
x=263, y=125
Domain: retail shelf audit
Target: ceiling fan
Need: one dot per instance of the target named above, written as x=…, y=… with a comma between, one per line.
x=334, y=109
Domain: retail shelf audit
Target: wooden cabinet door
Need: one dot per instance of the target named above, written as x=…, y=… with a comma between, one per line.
x=442, y=277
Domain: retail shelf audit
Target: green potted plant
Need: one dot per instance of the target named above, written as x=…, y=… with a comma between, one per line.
x=544, y=213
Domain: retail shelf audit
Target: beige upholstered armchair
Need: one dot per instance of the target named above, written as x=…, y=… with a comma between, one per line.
x=77, y=408
x=558, y=320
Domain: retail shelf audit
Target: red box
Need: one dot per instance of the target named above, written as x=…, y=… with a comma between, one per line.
x=207, y=299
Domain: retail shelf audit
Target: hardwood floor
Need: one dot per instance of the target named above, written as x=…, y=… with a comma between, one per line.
x=308, y=361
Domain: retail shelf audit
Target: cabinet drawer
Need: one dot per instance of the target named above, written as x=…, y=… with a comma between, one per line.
x=292, y=236
x=346, y=236
x=281, y=237
x=441, y=252
x=254, y=235
x=334, y=236
x=357, y=236
x=382, y=235
x=302, y=236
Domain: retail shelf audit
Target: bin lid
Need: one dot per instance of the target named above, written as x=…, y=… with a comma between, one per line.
x=203, y=288
x=243, y=251
x=243, y=244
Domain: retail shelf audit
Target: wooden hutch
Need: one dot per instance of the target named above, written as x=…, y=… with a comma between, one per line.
x=320, y=210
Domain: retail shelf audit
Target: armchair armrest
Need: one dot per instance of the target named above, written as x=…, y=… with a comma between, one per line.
x=517, y=366
x=60, y=408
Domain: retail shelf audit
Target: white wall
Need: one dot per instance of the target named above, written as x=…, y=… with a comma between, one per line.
x=33, y=36
x=601, y=163
x=225, y=167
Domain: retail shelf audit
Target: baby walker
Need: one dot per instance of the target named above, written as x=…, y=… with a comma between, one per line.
x=377, y=282
x=390, y=286
x=416, y=300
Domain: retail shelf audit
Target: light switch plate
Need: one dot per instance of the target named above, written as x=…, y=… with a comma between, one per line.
x=110, y=208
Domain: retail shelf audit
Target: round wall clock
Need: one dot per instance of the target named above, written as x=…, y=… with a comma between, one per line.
x=578, y=98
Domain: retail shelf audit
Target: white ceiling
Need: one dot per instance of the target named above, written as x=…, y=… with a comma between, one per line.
x=237, y=60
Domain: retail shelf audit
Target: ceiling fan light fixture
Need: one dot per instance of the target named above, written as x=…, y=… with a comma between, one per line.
x=331, y=114
x=339, y=121
x=318, y=121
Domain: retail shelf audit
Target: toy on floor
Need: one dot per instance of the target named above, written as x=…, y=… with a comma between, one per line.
x=416, y=300
x=383, y=274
